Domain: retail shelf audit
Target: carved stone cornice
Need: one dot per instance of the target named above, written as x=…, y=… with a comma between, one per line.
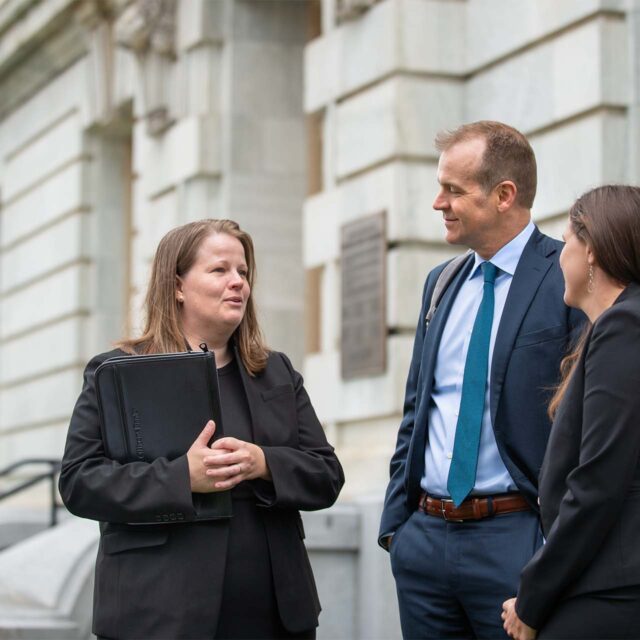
x=90, y=13
x=148, y=28
x=38, y=40
x=351, y=9
x=148, y=25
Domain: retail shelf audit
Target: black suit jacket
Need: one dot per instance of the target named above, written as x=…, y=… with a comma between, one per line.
x=590, y=479
x=532, y=337
x=166, y=580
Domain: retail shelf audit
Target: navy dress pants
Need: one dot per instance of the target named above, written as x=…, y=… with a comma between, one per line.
x=452, y=578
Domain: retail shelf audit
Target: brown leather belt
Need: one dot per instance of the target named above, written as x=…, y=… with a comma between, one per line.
x=473, y=508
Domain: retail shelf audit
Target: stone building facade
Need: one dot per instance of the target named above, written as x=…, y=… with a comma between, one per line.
x=122, y=118
x=380, y=81
x=118, y=121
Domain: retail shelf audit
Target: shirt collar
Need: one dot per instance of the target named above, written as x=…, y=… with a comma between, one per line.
x=507, y=258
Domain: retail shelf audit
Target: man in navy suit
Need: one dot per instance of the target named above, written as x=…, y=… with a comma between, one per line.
x=461, y=517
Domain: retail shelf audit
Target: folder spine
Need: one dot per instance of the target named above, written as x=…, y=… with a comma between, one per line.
x=121, y=408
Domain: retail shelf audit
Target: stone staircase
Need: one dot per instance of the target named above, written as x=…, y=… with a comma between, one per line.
x=46, y=583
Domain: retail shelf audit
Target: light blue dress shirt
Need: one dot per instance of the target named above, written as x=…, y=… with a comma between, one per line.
x=492, y=476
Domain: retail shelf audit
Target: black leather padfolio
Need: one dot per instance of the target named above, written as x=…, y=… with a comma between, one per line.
x=155, y=406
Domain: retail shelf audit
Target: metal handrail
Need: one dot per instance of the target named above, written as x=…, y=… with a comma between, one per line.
x=50, y=474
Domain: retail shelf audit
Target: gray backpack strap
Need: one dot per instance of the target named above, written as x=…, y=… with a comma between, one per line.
x=443, y=281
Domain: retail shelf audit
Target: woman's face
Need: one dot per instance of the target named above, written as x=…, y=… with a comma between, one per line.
x=574, y=263
x=213, y=294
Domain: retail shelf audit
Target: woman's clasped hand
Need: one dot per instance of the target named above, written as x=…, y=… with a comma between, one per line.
x=225, y=463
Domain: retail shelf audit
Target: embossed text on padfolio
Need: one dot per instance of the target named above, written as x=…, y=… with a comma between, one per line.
x=155, y=406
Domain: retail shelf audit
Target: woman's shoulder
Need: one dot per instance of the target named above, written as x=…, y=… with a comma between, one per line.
x=617, y=330
x=278, y=358
x=278, y=362
x=625, y=311
x=98, y=359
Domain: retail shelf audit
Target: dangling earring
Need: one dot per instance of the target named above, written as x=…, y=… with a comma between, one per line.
x=590, y=279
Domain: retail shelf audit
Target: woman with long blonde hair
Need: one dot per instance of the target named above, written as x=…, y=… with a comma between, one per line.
x=244, y=577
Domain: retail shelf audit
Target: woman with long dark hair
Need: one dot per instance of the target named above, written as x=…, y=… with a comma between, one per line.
x=585, y=581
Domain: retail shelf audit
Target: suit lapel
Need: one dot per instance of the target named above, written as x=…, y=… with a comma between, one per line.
x=437, y=324
x=430, y=348
x=530, y=272
x=252, y=394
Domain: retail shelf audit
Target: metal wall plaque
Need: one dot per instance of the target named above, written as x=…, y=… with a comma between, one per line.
x=363, y=321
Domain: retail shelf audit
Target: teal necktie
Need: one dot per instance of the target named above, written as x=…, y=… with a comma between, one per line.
x=462, y=473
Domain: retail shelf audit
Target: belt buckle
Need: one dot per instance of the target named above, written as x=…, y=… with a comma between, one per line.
x=444, y=513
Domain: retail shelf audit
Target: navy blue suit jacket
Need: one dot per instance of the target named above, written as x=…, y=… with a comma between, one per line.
x=532, y=338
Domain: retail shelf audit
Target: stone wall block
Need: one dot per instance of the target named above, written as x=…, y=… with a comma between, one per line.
x=399, y=117
x=407, y=270
x=43, y=400
x=521, y=22
x=404, y=190
x=199, y=198
x=199, y=22
x=394, y=36
x=331, y=538
x=190, y=148
x=59, y=294
x=352, y=56
x=320, y=240
x=572, y=159
x=272, y=88
x=554, y=69
x=338, y=400
x=198, y=74
x=54, y=346
x=60, y=244
x=322, y=381
x=43, y=204
x=365, y=448
x=44, y=441
x=51, y=150
x=433, y=36
x=50, y=104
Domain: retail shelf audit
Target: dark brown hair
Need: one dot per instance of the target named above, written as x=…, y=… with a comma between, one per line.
x=507, y=156
x=174, y=256
x=607, y=219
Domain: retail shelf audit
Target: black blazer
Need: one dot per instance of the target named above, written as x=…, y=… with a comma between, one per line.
x=166, y=580
x=532, y=337
x=590, y=479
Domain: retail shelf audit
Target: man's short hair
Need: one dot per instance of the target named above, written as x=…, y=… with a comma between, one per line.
x=507, y=156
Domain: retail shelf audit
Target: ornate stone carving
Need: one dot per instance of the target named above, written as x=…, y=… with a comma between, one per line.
x=351, y=9
x=91, y=13
x=148, y=27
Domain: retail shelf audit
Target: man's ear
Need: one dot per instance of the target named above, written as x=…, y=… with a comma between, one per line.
x=507, y=192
